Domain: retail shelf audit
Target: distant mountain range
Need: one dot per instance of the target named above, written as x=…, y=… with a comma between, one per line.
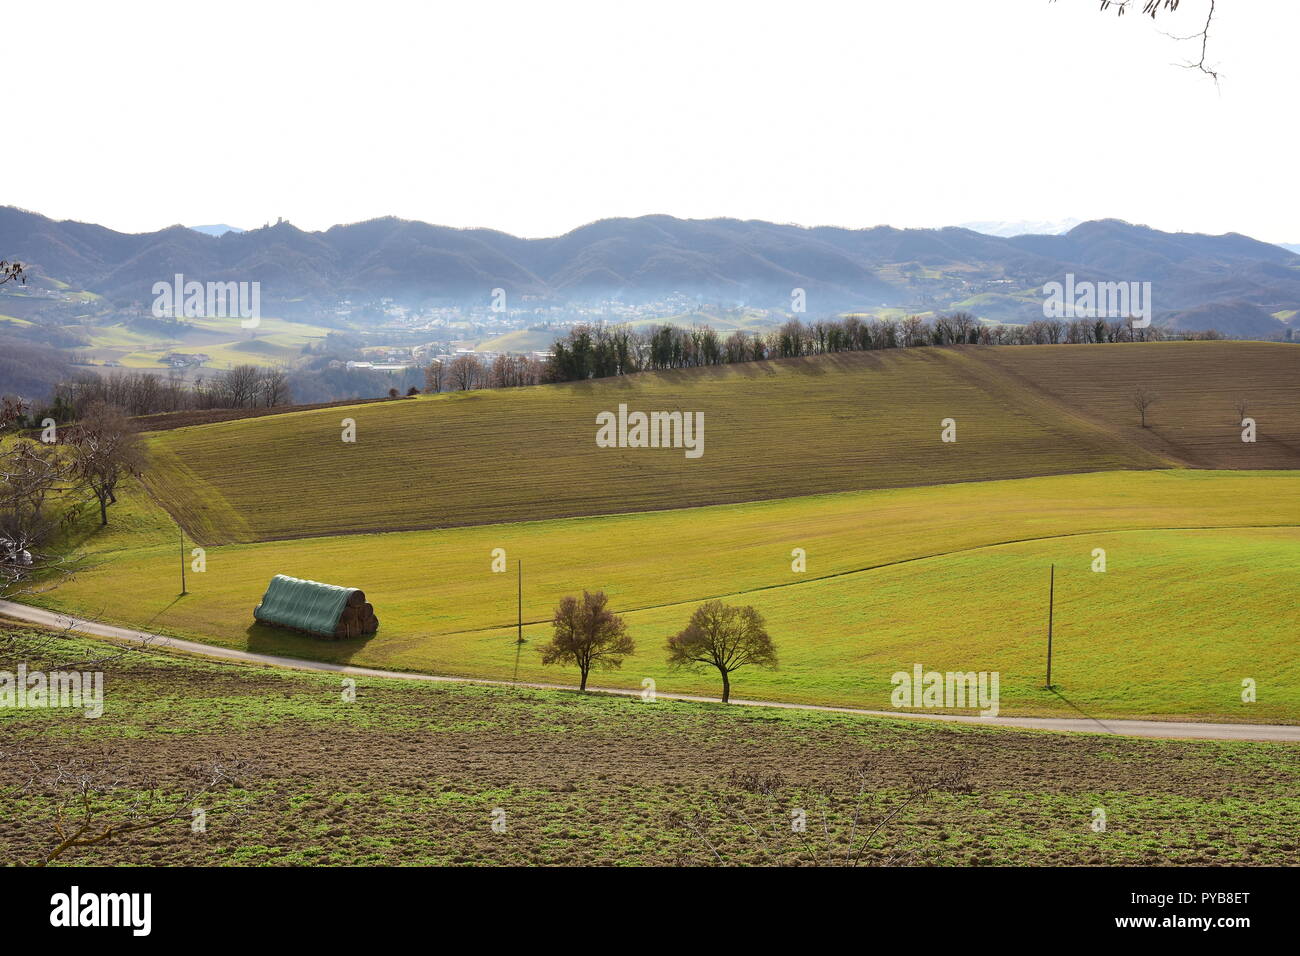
x=1022, y=227
x=218, y=229
x=1230, y=281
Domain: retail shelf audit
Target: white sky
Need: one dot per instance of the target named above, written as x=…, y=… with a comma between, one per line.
x=537, y=117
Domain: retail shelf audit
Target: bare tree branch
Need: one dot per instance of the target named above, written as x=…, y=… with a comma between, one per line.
x=86, y=809
x=1153, y=8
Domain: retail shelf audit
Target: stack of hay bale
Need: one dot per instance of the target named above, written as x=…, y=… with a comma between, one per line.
x=358, y=617
x=324, y=610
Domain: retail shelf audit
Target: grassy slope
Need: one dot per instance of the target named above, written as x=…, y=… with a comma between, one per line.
x=1194, y=419
x=1214, y=603
x=520, y=340
x=223, y=340
x=409, y=774
x=970, y=604
x=772, y=430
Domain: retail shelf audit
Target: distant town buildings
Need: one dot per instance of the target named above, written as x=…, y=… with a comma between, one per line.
x=184, y=360
x=379, y=366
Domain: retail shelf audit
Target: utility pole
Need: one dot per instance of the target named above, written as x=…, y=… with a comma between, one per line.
x=519, y=640
x=1051, y=604
x=183, y=591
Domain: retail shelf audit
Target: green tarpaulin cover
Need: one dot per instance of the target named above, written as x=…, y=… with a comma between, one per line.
x=305, y=605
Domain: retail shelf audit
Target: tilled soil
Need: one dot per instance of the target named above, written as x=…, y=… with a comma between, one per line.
x=457, y=774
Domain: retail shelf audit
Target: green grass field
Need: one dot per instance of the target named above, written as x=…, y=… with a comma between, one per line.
x=948, y=573
x=275, y=341
x=1196, y=598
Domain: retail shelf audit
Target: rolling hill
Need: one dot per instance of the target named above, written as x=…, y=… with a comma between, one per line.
x=1238, y=319
x=27, y=369
x=915, y=550
x=774, y=429
x=521, y=340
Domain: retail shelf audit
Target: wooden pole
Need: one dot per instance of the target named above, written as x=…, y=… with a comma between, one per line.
x=1051, y=605
x=519, y=640
x=183, y=591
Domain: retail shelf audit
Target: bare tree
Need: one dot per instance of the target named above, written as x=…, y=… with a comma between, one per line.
x=588, y=635
x=138, y=393
x=241, y=385
x=274, y=387
x=723, y=637
x=912, y=329
x=513, y=371
x=435, y=374
x=736, y=347
x=32, y=477
x=13, y=411
x=105, y=449
x=465, y=373
x=1142, y=400
x=1243, y=409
